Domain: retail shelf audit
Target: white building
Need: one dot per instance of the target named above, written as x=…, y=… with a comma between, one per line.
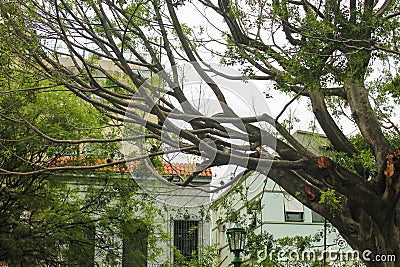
x=184, y=217
x=183, y=226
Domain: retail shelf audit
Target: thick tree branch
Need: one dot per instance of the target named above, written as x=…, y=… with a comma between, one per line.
x=365, y=118
x=332, y=131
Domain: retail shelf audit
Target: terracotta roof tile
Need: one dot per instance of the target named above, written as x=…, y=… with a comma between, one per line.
x=183, y=169
x=168, y=168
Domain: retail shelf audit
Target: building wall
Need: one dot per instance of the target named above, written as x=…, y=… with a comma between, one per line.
x=165, y=219
x=179, y=205
x=166, y=254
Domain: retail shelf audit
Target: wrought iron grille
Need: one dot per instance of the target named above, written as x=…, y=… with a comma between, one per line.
x=186, y=237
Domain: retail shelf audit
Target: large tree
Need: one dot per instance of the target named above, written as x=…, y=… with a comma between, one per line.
x=319, y=50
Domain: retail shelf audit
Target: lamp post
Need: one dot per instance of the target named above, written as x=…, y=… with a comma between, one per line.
x=236, y=238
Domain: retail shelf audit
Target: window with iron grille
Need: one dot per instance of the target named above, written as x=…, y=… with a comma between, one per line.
x=186, y=237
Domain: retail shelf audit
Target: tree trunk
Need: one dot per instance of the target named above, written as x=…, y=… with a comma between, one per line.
x=378, y=242
x=384, y=249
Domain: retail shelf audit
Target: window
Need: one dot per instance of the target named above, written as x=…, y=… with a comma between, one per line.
x=317, y=218
x=294, y=210
x=294, y=216
x=186, y=235
x=134, y=250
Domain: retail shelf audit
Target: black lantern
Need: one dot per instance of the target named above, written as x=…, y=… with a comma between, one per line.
x=236, y=238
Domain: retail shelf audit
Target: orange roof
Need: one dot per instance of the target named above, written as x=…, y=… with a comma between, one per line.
x=182, y=169
x=168, y=168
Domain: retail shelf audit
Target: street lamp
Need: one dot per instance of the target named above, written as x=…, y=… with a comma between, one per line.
x=236, y=237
